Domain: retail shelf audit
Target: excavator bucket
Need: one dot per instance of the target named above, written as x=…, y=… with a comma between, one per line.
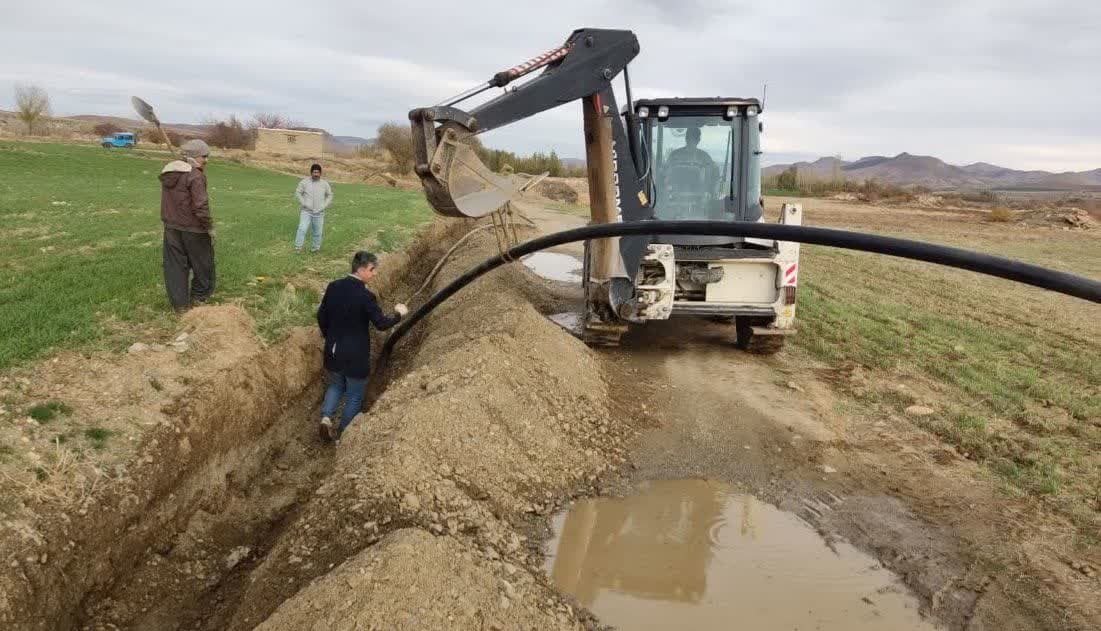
x=456, y=181
x=472, y=188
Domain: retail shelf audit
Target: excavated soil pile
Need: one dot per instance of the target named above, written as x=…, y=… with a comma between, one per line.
x=497, y=418
x=461, y=590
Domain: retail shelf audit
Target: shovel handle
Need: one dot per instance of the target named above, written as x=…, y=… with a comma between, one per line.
x=167, y=141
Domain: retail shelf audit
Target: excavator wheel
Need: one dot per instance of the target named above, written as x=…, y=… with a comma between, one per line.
x=601, y=334
x=756, y=344
x=595, y=332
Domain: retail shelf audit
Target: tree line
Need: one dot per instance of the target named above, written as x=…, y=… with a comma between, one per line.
x=396, y=141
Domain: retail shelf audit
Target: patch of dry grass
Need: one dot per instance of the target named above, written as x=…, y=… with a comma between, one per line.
x=61, y=477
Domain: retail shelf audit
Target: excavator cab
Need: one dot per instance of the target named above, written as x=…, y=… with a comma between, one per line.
x=704, y=159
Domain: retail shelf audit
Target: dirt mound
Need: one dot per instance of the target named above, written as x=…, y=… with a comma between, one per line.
x=1078, y=218
x=417, y=581
x=571, y=190
x=558, y=191
x=184, y=459
x=498, y=417
x=221, y=335
x=105, y=402
x=1060, y=218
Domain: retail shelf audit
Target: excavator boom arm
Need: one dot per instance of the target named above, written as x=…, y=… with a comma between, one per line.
x=457, y=184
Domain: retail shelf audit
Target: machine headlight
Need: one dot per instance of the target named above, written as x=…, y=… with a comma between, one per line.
x=663, y=112
x=643, y=112
x=751, y=110
x=731, y=112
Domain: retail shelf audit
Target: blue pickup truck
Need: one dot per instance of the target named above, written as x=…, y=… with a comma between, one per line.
x=123, y=140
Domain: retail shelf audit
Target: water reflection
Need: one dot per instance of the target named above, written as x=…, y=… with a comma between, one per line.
x=636, y=545
x=694, y=554
x=554, y=266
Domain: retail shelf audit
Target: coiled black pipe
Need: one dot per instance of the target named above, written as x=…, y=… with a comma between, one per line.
x=1061, y=282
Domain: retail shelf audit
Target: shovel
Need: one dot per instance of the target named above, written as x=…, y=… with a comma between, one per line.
x=145, y=110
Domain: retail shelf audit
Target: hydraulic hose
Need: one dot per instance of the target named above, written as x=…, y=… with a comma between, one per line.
x=1061, y=282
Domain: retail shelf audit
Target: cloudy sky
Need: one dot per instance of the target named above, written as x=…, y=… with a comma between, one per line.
x=1012, y=82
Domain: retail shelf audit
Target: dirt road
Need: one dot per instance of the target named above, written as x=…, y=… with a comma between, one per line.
x=780, y=429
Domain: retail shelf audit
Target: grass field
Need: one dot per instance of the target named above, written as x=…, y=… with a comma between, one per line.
x=80, y=244
x=1013, y=372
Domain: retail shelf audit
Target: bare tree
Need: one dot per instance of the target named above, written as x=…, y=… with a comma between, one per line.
x=31, y=104
x=273, y=120
x=397, y=140
x=230, y=133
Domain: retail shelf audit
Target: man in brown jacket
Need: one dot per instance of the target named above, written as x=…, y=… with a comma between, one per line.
x=188, y=228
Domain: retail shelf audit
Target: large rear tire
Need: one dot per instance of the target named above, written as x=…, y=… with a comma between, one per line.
x=595, y=332
x=756, y=344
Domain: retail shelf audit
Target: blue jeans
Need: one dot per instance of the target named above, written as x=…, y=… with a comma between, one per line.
x=305, y=222
x=339, y=386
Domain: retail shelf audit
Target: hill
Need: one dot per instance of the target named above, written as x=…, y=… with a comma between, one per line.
x=908, y=169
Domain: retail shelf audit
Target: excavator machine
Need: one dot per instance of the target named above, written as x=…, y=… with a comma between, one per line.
x=656, y=159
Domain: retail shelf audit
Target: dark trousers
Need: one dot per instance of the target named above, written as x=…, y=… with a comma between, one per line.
x=188, y=253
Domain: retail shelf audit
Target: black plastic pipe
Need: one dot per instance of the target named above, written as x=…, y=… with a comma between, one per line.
x=1070, y=284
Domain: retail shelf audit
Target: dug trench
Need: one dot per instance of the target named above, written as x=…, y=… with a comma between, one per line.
x=435, y=509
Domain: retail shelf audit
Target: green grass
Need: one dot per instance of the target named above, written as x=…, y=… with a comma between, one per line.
x=81, y=234
x=98, y=436
x=1015, y=370
x=46, y=412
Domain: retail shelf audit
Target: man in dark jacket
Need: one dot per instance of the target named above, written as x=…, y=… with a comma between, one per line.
x=188, y=228
x=347, y=311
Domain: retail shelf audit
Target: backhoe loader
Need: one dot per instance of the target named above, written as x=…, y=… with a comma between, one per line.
x=657, y=159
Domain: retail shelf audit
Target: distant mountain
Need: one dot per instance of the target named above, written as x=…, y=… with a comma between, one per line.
x=133, y=124
x=908, y=169
x=573, y=163
x=355, y=141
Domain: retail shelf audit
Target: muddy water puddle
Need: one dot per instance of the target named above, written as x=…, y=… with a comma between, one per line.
x=695, y=554
x=568, y=320
x=554, y=266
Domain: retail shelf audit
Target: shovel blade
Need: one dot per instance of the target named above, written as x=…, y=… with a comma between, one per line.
x=144, y=110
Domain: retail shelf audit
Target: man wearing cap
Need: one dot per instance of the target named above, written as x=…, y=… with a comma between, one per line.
x=314, y=195
x=188, y=228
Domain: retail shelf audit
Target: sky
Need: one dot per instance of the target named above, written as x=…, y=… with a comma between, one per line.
x=1009, y=82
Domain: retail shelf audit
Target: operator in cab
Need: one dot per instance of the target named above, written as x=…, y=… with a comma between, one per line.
x=691, y=180
x=691, y=169
x=691, y=153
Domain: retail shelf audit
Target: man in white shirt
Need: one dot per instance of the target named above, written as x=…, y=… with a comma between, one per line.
x=314, y=195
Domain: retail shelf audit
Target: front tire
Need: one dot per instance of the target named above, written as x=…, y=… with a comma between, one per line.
x=106, y=145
